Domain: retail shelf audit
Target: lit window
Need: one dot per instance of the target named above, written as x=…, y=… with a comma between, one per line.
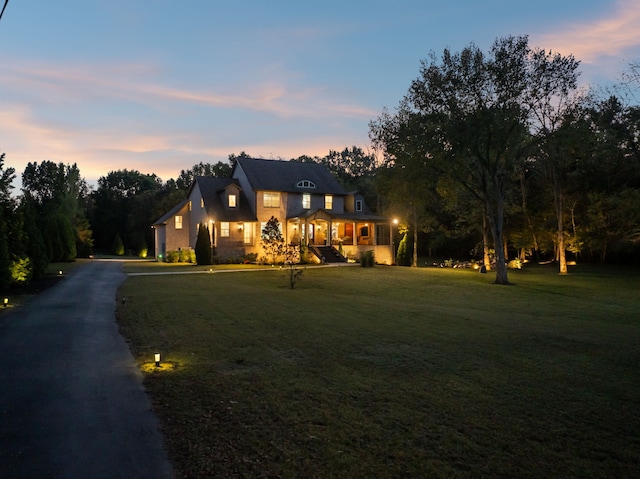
x=306, y=201
x=233, y=201
x=328, y=202
x=224, y=229
x=306, y=184
x=248, y=233
x=178, y=222
x=358, y=205
x=271, y=200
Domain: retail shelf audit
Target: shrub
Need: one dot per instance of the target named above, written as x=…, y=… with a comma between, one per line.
x=250, y=257
x=367, y=259
x=21, y=270
x=172, y=257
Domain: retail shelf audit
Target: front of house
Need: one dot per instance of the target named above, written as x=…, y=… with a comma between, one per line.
x=311, y=206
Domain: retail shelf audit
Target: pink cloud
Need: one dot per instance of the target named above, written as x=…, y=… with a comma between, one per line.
x=55, y=84
x=614, y=35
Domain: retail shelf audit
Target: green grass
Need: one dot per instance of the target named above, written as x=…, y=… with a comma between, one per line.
x=393, y=372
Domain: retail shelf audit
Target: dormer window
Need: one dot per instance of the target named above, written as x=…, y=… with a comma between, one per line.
x=233, y=200
x=306, y=184
x=358, y=205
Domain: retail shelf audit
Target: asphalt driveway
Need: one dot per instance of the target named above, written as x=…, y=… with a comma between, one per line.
x=72, y=404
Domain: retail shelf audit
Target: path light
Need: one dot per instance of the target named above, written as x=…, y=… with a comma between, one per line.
x=157, y=359
x=6, y=302
x=124, y=301
x=60, y=273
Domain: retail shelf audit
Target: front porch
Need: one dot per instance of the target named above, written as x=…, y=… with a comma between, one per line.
x=349, y=235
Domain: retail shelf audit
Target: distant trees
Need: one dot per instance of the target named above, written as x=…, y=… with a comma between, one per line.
x=124, y=205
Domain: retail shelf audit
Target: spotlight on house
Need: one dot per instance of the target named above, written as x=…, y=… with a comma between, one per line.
x=157, y=359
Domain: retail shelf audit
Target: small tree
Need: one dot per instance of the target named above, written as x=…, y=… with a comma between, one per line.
x=272, y=240
x=118, y=245
x=291, y=255
x=203, y=245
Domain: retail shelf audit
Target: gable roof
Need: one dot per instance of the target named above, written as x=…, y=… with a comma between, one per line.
x=278, y=175
x=212, y=189
x=163, y=219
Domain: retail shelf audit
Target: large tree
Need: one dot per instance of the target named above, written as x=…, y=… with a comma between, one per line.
x=6, y=213
x=57, y=193
x=476, y=113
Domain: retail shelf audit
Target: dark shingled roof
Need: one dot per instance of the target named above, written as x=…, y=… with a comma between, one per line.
x=212, y=189
x=277, y=175
x=163, y=219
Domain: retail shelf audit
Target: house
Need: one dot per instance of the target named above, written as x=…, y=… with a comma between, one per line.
x=311, y=206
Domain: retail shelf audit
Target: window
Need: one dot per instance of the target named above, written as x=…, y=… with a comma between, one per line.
x=328, y=202
x=306, y=201
x=233, y=201
x=271, y=200
x=306, y=184
x=358, y=205
x=224, y=229
x=248, y=233
x=178, y=222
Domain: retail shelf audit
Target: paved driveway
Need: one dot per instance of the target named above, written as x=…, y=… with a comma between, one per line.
x=72, y=403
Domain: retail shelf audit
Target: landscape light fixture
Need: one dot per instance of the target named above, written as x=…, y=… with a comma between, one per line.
x=6, y=302
x=157, y=359
x=60, y=273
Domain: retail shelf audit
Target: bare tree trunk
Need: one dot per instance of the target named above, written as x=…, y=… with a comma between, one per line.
x=562, y=258
x=534, y=238
x=506, y=248
x=414, y=261
x=485, y=240
x=496, y=219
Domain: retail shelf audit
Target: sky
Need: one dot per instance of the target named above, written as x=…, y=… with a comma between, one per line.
x=159, y=86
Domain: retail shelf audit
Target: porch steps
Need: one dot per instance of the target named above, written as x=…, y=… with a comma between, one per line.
x=330, y=254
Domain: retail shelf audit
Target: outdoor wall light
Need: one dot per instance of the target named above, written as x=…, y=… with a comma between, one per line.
x=157, y=359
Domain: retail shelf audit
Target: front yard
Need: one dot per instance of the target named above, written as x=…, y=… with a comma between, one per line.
x=392, y=372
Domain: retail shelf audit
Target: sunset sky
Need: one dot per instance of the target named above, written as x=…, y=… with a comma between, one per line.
x=159, y=86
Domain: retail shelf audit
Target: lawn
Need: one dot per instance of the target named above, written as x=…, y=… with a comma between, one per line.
x=392, y=372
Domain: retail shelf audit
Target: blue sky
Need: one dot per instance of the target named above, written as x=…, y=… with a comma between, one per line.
x=159, y=86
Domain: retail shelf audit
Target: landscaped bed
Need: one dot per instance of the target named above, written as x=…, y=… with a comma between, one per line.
x=392, y=372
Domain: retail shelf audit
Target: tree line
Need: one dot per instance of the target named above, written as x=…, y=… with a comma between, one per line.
x=58, y=218
x=504, y=147
x=497, y=155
